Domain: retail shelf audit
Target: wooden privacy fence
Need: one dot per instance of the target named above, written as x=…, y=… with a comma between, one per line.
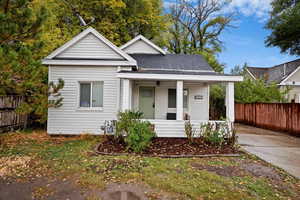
x=273, y=116
x=9, y=118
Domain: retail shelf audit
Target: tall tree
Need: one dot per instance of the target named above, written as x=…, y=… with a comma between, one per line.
x=179, y=34
x=203, y=21
x=20, y=71
x=117, y=20
x=284, y=23
x=196, y=28
x=19, y=22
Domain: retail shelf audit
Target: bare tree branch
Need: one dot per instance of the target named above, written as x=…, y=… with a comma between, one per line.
x=204, y=22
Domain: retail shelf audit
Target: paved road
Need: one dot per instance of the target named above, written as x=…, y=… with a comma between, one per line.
x=277, y=148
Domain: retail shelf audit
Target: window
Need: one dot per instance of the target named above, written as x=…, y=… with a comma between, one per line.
x=172, y=98
x=91, y=94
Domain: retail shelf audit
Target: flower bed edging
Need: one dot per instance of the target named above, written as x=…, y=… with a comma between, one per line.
x=164, y=156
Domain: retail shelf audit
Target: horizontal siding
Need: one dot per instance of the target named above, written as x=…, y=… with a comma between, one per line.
x=169, y=128
x=175, y=128
x=90, y=47
x=140, y=47
x=68, y=119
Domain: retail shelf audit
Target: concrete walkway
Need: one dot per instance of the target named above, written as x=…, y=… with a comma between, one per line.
x=277, y=148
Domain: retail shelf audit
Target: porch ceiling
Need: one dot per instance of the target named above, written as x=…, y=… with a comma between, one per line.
x=179, y=75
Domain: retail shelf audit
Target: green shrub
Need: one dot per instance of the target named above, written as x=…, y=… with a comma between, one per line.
x=139, y=136
x=233, y=137
x=189, y=131
x=217, y=134
x=125, y=120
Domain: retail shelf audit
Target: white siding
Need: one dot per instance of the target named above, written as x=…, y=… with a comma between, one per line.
x=90, y=47
x=169, y=128
x=175, y=128
x=197, y=109
x=140, y=47
x=294, y=82
x=68, y=119
x=293, y=94
x=294, y=78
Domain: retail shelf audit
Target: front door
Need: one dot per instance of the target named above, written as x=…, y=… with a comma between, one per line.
x=147, y=101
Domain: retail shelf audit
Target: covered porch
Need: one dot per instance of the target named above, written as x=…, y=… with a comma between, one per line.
x=169, y=99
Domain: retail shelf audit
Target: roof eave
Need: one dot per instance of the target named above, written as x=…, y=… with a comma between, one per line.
x=286, y=78
x=252, y=75
x=209, y=78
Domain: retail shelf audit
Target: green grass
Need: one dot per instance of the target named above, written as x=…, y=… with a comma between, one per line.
x=71, y=158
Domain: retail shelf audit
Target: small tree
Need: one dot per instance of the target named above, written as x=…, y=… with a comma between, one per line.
x=54, y=96
x=253, y=91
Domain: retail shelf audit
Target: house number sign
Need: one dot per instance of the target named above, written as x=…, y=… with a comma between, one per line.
x=198, y=97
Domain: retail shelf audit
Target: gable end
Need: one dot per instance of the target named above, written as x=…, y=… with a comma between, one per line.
x=141, y=45
x=90, y=47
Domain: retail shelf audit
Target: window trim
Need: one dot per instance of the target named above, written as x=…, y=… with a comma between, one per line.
x=90, y=108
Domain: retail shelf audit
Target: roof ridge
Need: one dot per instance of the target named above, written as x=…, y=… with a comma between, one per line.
x=298, y=59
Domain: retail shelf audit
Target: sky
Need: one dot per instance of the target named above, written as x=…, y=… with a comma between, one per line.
x=245, y=42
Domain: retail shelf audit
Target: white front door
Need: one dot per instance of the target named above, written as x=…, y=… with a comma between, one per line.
x=147, y=101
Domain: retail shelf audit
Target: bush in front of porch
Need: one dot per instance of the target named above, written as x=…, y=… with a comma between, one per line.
x=213, y=133
x=136, y=134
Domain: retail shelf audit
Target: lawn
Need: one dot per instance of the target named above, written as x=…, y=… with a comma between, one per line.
x=33, y=164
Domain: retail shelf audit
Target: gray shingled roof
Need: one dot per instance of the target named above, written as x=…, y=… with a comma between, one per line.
x=175, y=72
x=275, y=73
x=171, y=62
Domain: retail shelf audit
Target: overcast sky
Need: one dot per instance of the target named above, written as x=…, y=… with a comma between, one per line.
x=245, y=43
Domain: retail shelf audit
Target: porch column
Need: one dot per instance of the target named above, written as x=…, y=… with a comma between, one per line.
x=230, y=101
x=179, y=100
x=126, y=95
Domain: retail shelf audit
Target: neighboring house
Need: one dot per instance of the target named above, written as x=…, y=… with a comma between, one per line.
x=285, y=75
x=102, y=79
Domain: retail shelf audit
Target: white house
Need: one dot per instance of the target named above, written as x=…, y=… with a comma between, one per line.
x=284, y=75
x=102, y=79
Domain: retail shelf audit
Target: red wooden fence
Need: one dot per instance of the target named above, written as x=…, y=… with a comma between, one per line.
x=273, y=116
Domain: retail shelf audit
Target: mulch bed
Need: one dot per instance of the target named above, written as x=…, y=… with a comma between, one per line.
x=168, y=147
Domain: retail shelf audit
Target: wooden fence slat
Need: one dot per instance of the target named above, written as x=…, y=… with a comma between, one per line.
x=273, y=116
x=9, y=118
